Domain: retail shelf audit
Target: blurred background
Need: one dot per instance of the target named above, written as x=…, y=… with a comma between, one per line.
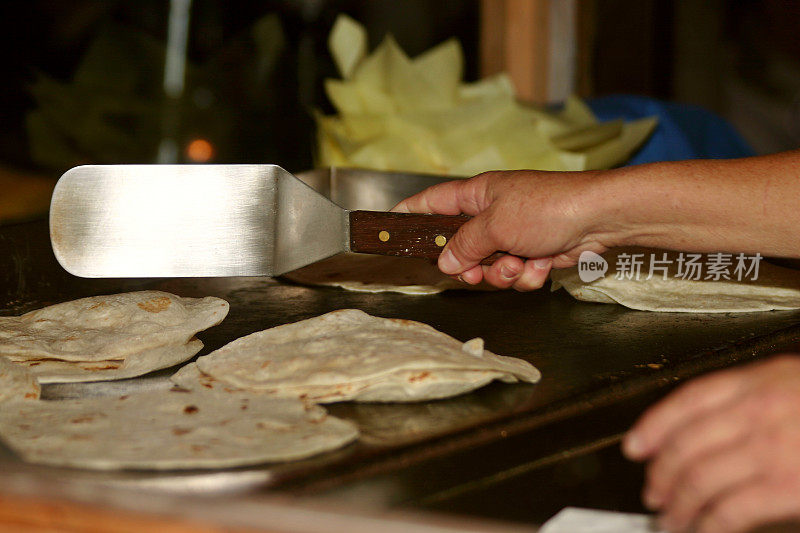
x=113, y=81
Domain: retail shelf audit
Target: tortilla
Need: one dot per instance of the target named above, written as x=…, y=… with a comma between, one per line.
x=775, y=288
x=170, y=430
x=104, y=328
x=376, y=273
x=57, y=371
x=349, y=40
x=400, y=386
x=17, y=383
x=350, y=355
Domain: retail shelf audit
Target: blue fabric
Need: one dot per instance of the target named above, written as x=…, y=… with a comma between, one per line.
x=683, y=131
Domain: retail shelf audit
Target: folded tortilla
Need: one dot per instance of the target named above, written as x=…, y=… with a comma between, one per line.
x=174, y=429
x=105, y=328
x=399, y=386
x=775, y=287
x=57, y=371
x=350, y=355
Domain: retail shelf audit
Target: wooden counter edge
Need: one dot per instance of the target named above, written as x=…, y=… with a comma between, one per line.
x=31, y=502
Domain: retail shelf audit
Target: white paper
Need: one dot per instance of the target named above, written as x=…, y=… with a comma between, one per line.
x=574, y=520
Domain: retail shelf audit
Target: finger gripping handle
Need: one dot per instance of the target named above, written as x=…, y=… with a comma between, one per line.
x=404, y=234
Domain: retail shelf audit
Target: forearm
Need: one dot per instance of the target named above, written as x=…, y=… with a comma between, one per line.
x=551, y=218
x=743, y=205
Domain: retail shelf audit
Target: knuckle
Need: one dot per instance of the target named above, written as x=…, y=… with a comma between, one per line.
x=537, y=283
x=506, y=275
x=482, y=178
x=766, y=444
x=522, y=286
x=693, y=483
x=477, y=190
x=528, y=282
x=500, y=283
x=467, y=242
x=495, y=231
x=488, y=177
x=656, y=473
x=762, y=451
x=722, y=517
x=526, y=287
x=493, y=184
x=422, y=202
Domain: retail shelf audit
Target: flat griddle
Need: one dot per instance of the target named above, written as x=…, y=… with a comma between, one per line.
x=601, y=365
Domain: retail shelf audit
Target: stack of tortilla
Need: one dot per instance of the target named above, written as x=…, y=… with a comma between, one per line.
x=109, y=337
x=400, y=113
x=169, y=430
x=350, y=355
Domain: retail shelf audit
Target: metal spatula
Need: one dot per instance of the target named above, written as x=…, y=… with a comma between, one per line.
x=217, y=220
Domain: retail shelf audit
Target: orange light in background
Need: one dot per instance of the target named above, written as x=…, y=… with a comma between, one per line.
x=200, y=151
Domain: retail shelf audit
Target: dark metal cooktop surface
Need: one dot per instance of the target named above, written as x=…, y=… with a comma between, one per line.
x=592, y=357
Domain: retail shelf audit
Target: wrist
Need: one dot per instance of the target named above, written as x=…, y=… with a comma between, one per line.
x=622, y=213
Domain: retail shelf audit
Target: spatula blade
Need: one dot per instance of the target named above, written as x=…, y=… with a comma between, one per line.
x=190, y=221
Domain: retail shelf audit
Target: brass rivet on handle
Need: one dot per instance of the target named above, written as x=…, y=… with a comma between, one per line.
x=440, y=240
x=383, y=236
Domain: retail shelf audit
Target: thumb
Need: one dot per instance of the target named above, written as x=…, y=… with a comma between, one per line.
x=470, y=244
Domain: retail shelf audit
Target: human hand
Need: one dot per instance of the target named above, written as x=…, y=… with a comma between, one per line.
x=724, y=449
x=542, y=220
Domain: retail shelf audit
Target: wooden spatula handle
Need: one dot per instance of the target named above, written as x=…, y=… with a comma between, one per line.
x=404, y=234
